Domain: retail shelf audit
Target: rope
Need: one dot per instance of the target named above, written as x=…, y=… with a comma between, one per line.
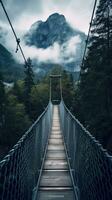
x=15, y=35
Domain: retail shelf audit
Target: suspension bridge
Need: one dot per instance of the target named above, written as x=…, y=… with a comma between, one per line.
x=57, y=158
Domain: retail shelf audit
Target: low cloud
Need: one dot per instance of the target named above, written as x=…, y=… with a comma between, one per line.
x=69, y=49
x=61, y=54
x=51, y=54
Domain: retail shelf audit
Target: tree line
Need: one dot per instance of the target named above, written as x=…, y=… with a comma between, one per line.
x=93, y=96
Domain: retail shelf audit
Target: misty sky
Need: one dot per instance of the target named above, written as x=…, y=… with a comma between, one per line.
x=25, y=12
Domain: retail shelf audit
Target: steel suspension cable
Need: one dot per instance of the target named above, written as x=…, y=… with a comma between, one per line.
x=15, y=35
x=87, y=40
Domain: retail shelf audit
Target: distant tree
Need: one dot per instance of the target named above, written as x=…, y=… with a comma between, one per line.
x=28, y=84
x=18, y=90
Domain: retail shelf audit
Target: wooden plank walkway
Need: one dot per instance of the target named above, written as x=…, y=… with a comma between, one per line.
x=55, y=183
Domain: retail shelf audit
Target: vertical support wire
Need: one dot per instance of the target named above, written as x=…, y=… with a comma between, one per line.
x=50, y=90
x=61, y=88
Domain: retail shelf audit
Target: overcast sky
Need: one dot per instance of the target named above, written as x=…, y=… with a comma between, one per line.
x=25, y=12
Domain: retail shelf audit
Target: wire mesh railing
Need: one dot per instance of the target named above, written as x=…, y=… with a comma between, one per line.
x=90, y=164
x=19, y=170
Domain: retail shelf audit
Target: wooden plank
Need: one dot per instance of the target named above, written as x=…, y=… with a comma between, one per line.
x=55, y=164
x=55, y=179
x=56, y=133
x=56, y=195
x=55, y=141
x=56, y=136
x=55, y=147
x=56, y=155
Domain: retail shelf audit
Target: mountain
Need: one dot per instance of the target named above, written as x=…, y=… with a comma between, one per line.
x=44, y=34
x=56, y=29
x=10, y=69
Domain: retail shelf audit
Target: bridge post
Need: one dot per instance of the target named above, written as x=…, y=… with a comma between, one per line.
x=60, y=85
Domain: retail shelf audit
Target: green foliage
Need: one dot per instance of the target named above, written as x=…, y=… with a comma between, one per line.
x=38, y=97
x=16, y=121
x=28, y=84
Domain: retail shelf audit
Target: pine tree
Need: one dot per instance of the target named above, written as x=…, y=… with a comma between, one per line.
x=96, y=76
x=28, y=84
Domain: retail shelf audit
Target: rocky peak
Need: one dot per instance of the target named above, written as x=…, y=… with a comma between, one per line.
x=54, y=29
x=56, y=17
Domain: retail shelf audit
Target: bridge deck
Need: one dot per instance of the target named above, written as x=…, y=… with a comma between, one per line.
x=55, y=181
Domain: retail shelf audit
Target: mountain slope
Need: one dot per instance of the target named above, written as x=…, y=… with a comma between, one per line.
x=10, y=69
